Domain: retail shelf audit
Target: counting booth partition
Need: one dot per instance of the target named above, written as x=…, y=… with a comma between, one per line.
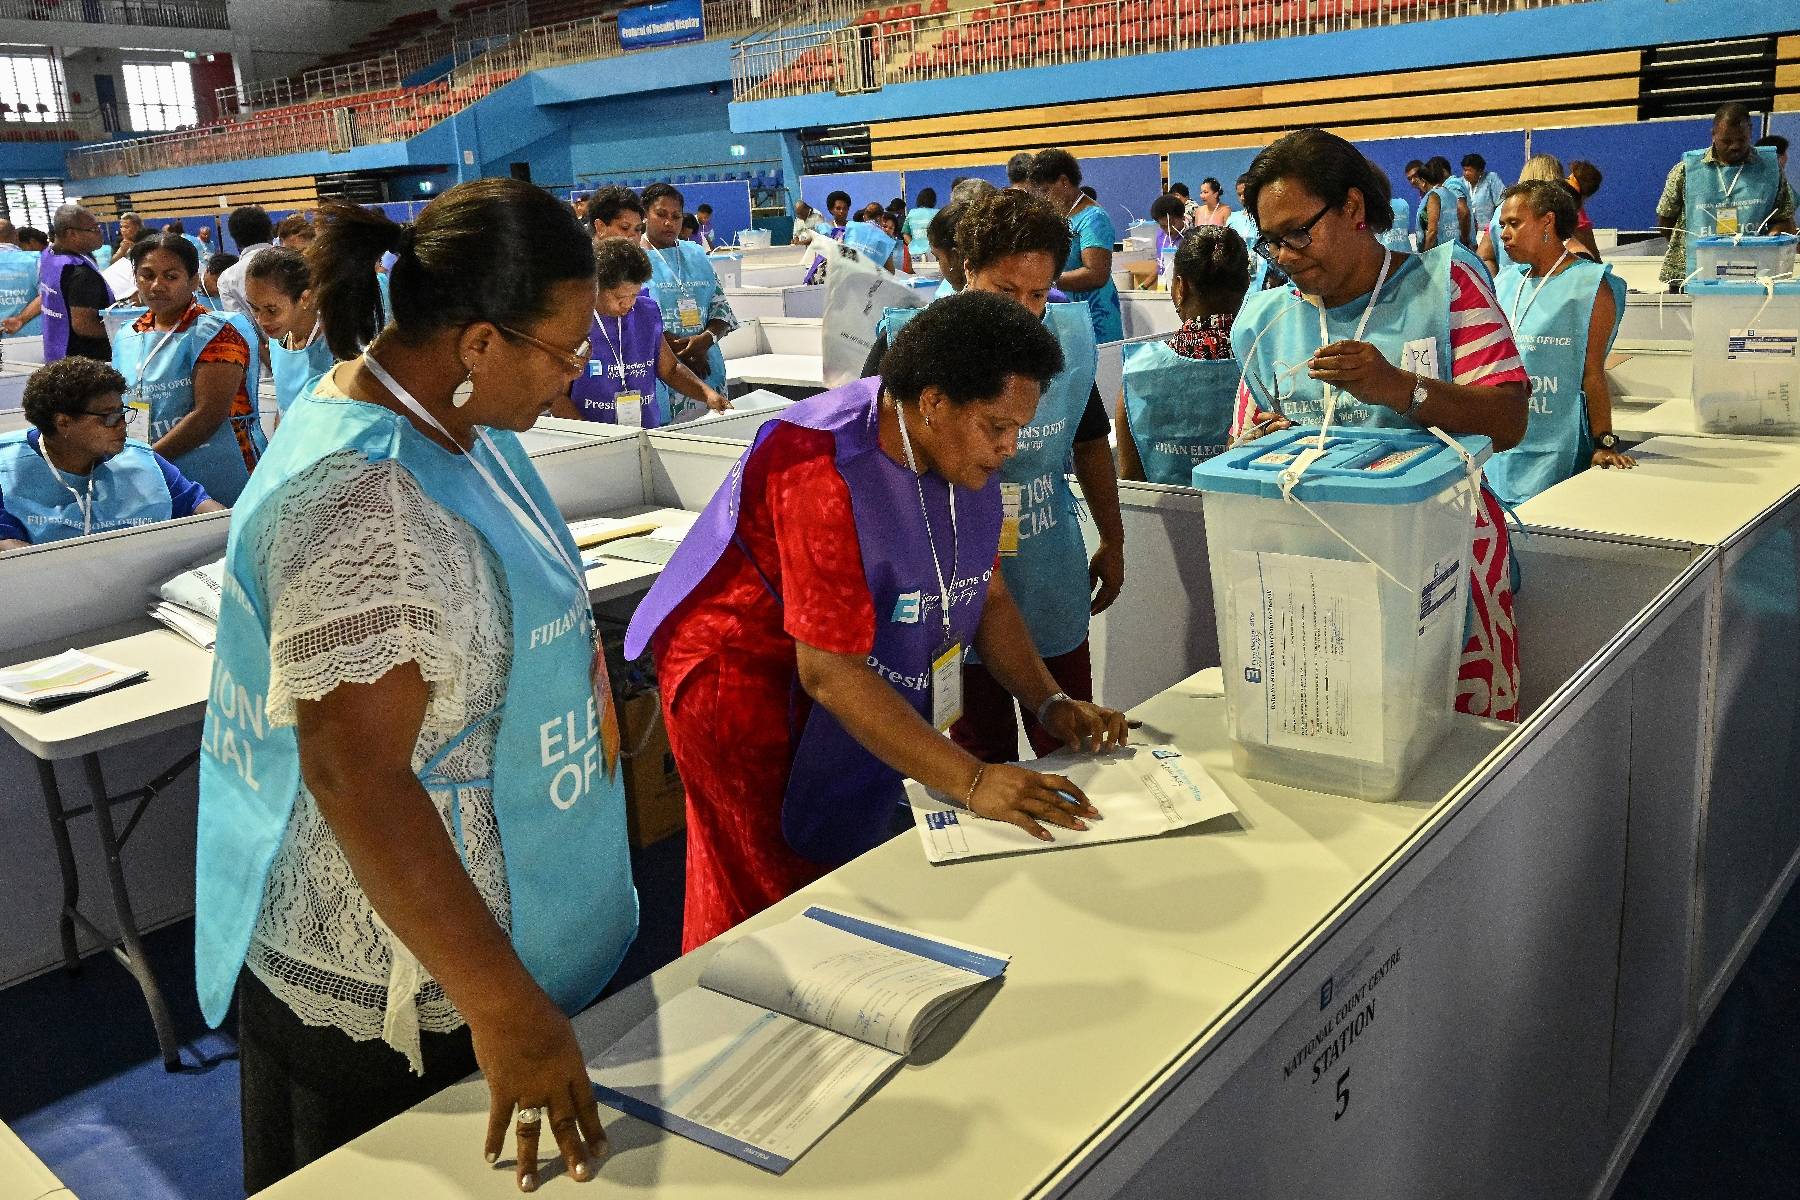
x=1493, y=977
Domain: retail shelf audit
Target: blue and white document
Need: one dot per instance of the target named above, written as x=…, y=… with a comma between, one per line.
x=790, y=1028
x=1141, y=791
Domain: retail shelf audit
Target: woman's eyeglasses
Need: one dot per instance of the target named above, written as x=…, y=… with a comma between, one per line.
x=576, y=360
x=112, y=418
x=1299, y=239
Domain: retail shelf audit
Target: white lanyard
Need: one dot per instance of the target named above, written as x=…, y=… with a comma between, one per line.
x=536, y=524
x=618, y=351
x=1719, y=173
x=1518, y=314
x=310, y=338
x=84, y=500
x=681, y=279
x=137, y=390
x=1362, y=324
x=912, y=464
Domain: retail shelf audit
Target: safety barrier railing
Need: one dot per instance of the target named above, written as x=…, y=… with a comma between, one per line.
x=165, y=14
x=912, y=45
x=45, y=124
x=363, y=123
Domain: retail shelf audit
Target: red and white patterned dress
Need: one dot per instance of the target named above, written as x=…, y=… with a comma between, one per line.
x=1482, y=354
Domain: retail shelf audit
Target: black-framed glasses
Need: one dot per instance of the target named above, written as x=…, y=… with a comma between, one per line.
x=1295, y=239
x=112, y=418
x=576, y=360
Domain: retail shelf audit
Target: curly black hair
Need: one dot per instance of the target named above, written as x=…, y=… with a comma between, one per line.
x=1011, y=222
x=67, y=385
x=620, y=260
x=966, y=346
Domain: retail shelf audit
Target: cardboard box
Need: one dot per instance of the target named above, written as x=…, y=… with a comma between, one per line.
x=655, y=806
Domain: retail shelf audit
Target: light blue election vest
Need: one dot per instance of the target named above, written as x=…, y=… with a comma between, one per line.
x=1506, y=261
x=1048, y=576
x=1179, y=409
x=1246, y=227
x=125, y=490
x=1399, y=236
x=19, y=287
x=1747, y=192
x=158, y=366
x=1103, y=301
x=682, y=280
x=1411, y=314
x=875, y=243
x=561, y=817
x=944, y=288
x=1449, y=229
x=1550, y=325
x=294, y=370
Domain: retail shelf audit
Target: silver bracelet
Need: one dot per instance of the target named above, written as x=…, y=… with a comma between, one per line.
x=1045, y=706
x=969, y=800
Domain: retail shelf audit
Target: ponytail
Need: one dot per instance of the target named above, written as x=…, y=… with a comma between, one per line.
x=341, y=263
x=487, y=250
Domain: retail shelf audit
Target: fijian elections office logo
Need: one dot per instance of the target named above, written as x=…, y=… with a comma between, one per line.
x=907, y=607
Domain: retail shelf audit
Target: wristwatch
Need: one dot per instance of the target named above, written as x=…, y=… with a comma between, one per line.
x=1418, y=395
x=1606, y=441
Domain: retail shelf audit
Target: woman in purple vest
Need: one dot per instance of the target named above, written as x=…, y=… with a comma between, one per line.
x=809, y=633
x=627, y=352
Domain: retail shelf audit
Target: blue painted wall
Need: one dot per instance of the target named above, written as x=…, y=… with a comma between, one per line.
x=1570, y=29
x=34, y=160
x=943, y=178
x=1635, y=160
x=863, y=186
x=1127, y=184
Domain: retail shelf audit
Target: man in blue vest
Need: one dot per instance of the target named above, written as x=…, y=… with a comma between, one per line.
x=1729, y=188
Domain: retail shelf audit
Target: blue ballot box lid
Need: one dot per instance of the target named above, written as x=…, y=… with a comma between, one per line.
x=1743, y=287
x=1360, y=466
x=1767, y=239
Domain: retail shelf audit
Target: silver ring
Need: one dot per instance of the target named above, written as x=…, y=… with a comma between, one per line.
x=531, y=1117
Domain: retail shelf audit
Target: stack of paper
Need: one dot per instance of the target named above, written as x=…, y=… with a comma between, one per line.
x=655, y=547
x=189, y=604
x=70, y=676
x=789, y=1029
x=1141, y=791
x=606, y=529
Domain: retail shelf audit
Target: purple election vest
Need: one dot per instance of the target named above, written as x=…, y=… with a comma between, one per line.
x=635, y=340
x=840, y=798
x=55, y=308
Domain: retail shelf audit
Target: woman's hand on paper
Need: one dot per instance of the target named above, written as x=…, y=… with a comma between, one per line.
x=1612, y=458
x=717, y=401
x=1025, y=798
x=532, y=1061
x=1362, y=370
x=1082, y=726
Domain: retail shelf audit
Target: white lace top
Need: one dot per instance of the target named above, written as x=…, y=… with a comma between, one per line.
x=365, y=572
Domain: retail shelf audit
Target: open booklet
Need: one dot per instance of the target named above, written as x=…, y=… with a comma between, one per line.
x=63, y=679
x=189, y=603
x=790, y=1028
x=655, y=547
x=1141, y=791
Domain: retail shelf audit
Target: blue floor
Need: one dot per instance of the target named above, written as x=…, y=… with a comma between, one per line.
x=84, y=1088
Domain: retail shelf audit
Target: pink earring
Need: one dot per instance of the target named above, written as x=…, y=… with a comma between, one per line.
x=1361, y=225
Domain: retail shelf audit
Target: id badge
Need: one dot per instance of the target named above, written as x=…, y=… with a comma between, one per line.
x=1726, y=224
x=946, y=687
x=631, y=409
x=1012, y=497
x=1420, y=357
x=687, y=312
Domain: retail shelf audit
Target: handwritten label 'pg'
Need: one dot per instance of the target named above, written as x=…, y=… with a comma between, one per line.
x=572, y=739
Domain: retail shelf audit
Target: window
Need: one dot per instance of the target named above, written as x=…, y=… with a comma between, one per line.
x=160, y=95
x=32, y=86
x=31, y=202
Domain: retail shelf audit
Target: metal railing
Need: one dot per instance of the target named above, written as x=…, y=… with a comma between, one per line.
x=389, y=70
x=167, y=14
x=869, y=54
x=42, y=124
x=365, y=123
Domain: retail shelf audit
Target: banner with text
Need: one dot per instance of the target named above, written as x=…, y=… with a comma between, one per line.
x=661, y=24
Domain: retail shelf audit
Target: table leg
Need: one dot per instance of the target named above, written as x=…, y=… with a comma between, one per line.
x=65, y=862
x=133, y=955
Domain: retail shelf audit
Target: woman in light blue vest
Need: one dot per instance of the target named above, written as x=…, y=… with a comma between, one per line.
x=1011, y=243
x=75, y=472
x=194, y=371
x=1442, y=215
x=1491, y=247
x=1176, y=404
x=279, y=288
x=412, y=826
x=1565, y=312
x=1086, y=273
x=1369, y=336
x=696, y=314
x=918, y=221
